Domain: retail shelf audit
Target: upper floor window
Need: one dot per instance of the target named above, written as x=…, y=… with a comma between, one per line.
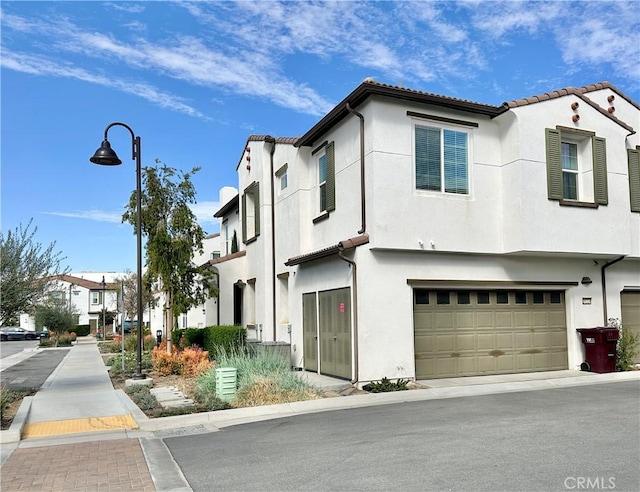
x=96, y=297
x=281, y=174
x=251, y=212
x=227, y=237
x=441, y=160
x=325, y=156
x=576, y=166
x=58, y=296
x=633, y=163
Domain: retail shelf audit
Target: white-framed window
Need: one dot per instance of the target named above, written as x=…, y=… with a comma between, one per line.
x=283, y=180
x=322, y=182
x=96, y=297
x=58, y=296
x=576, y=166
x=325, y=175
x=227, y=237
x=569, y=170
x=441, y=160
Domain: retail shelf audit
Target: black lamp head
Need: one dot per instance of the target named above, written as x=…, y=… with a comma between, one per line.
x=105, y=155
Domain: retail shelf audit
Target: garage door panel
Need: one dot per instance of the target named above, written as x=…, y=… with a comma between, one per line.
x=522, y=319
x=504, y=340
x=485, y=341
x=542, y=339
x=484, y=320
x=462, y=340
x=465, y=321
x=557, y=319
x=523, y=340
x=445, y=343
x=558, y=339
x=505, y=363
x=466, y=342
x=467, y=366
x=486, y=364
x=503, y=320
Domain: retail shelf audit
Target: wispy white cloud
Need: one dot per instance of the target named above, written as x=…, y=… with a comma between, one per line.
x=95, y=215
x=39, y=65
x=244, y=48
x=204, y=212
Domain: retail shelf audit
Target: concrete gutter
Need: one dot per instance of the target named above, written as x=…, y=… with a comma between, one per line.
x=211, y=421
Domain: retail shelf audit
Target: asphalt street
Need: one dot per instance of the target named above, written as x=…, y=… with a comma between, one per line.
x=15, y=346
x=576, y=438
x=31, y=373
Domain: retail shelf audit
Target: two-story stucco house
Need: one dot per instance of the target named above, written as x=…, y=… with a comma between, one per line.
x=414, y=235
x=86, y=293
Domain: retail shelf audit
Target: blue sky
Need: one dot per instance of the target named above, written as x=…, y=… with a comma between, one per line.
x=195, y=79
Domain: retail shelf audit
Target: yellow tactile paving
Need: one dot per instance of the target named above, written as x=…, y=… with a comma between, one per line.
x=58, y=427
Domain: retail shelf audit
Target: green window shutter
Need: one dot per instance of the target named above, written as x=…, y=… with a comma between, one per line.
x=600, y=189
x=331, y=177
x=633, y=160
x=244, y=217
x=554, y=164
x=256, y=204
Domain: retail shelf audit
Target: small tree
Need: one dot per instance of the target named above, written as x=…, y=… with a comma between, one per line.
x=627, y=349
x=129, y=284
x=56, y=316
x=27, y=268
x=173, y=235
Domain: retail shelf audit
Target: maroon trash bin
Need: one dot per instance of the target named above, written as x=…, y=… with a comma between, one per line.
x=600, y=346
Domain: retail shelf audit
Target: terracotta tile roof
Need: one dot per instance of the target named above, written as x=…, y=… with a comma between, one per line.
x=579, y=92
x=224, y=258
x=370, y=88
x=328, y=251
x=82, y=282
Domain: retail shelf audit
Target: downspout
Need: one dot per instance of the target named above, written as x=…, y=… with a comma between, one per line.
x=272, y=141
x=355, y=310
x=217, y=274
x=604, y=285
x=362, y=190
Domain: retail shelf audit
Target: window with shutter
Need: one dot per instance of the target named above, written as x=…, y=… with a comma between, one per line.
x=326, y=178
x=633, y=161
x=576, y=166
x=441, y=153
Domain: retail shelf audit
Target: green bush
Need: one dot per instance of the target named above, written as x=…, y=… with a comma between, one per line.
x=384, y=385
x=228, y=338
x=176, y=335
x=141, y=396
x=254, y=370
x=627, y=350
x=130, y=363
x=190, y=337
x=82, y=330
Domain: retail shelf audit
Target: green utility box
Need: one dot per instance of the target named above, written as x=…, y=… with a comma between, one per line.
x=226, y=383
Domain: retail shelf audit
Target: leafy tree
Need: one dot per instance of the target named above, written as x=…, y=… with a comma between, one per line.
x=129, y=286
x=234, y=242
x=27, y=268
x=56, y=316
x=173, y=235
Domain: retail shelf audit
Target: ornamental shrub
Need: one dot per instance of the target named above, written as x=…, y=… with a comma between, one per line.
x=627, y=348
x=227, y=338
x=384, y=385
x=82, y=330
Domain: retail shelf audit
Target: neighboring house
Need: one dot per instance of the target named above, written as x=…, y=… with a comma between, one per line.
x=199, y=316
x=414, y=235
x=85, y=293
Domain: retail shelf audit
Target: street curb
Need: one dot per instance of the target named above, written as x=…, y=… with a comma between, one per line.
x=236, y=416
x=14, y=432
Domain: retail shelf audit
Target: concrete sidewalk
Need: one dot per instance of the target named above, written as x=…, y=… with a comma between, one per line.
x=102, y=441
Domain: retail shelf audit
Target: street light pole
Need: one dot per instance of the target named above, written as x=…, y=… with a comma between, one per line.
x=104, y=325
x=106, y=156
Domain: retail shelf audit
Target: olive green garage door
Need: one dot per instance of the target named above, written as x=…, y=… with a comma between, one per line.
x=470, y=333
